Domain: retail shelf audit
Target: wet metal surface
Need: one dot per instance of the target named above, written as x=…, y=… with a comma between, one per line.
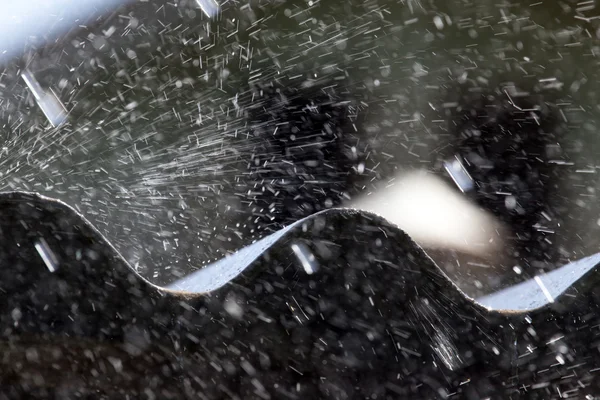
x=188, y=137
x=210, y=147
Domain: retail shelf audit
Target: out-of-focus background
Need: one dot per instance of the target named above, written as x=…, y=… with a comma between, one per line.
x=183, y=138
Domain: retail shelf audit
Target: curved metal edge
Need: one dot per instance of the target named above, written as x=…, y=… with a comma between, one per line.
x=519, y=299
x=542, y=290
x=88, y=224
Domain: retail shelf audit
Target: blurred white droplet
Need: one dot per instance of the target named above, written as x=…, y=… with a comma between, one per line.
x=439, y=23
x=232, y=306
x=116, y=363
x=47, y=255
x=32, y=355
x=459, y=174
x=131, y=106
x=16, y=314
x=51, y=106
x=517, y=270
x=306, y=258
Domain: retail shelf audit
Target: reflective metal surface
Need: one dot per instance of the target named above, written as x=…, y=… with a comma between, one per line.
x=178, y=144
x=207, y=148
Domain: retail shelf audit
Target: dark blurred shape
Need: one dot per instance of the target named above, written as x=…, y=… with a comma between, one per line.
x=303, y=160
x=457, y=171
x=51, y=106
x=503, y=141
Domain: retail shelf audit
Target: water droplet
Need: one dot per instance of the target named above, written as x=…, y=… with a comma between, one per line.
x=48, y=102
x=47, y=255
x=306, y=258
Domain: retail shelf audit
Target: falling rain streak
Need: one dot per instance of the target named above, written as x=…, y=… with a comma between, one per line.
x=47, y=254
x=459, y=174
x=306, y=258
x=49, y=103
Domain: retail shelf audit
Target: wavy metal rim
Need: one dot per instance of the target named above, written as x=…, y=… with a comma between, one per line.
x=527, y=296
